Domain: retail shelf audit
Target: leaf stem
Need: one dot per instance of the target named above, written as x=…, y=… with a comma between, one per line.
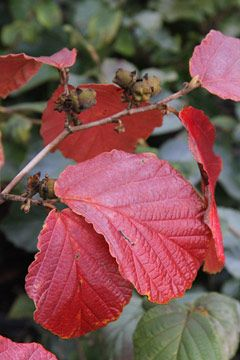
x=161, y=106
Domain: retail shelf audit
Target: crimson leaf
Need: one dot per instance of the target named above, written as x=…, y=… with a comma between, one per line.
x=217, y=63
x=74, y=281
x=86, y=144
x=21, y=351
x=17, y=69
x=201, y=140
x=151, y=217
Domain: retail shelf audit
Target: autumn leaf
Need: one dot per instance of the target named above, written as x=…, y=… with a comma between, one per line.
x=151, y=217
x=74, y=281
x=17, y=69
x=86, y=144
x=201, y=140
x=23, y=351
x=217, y=63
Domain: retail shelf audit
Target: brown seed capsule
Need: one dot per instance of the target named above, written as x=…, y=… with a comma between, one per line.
x=124, y=78
x=46, y=188
x=141, y=91
x=154, y=83
x=63, y=103
x=86, y=98
x=76, y=101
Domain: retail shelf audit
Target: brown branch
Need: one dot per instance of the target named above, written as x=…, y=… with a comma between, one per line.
x=188, y=87
x=23, y=199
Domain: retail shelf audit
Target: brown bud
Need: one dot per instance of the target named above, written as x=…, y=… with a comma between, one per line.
x=46, y=188
x=124, y=78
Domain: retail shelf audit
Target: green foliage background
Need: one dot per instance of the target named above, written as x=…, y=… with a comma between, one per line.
x=156, y=36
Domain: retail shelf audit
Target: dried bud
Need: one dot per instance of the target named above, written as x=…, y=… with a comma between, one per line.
x=86, y=98
x=46, y=188
x=154, y=83
x=63, y=103
x=141, y=91
x=124, y=78
x=32, y=185
x=76, y=101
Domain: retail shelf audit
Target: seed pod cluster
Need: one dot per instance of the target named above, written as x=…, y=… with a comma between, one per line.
x=76, y=101
x=136, y=89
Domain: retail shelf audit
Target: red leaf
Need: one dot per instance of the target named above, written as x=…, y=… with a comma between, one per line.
x=74, y=281
x=22, y=351
x=17, y=69
x=151, y=217
x=1, y=151
x=89, y=143
x=64, y=58
x=217, y=63
x=201, y=140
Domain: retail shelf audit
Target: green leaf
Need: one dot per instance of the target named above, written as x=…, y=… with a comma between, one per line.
x=224, y=122
x=14, y=156
x=83, y=11
x=231, y=287
x=208, y=329
x=48, y=13
x=37, y=106
x=186, y=10
x=148, y=20
x=176, y=151
x=17, y=31
x=23, y=307
x=144, y=148
x=230, y=175
x=124, y=44
x=21, y=9
x=230, y=221
x=23, y=229
x=103, y=27
x=17, y=128
x=224, y=314
x=118, y=334
x=175, y=332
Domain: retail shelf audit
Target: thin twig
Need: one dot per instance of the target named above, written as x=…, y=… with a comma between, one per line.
x=37, y=202
x=107, y=120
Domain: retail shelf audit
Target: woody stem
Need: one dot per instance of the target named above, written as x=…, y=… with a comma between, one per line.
x=188, y=87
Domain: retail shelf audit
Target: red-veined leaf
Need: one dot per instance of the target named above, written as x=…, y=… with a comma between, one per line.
x=201, y=140
x=1, y=151
x=74, y=281
x=17, y=69
x=86, y=144
x=149, y=214
x=217, y=63
x=10, y=350
x=64, y=58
